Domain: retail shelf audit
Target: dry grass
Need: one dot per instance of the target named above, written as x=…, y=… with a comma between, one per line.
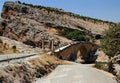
x=1, y=75
x=46, y=59
x=6, y=49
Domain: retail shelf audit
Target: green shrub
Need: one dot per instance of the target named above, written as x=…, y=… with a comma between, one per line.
x=58, y=11
x=110, y=43
x=102, y=65
x=24, y=10
x=106, y=67
x=14, y=48
x=75, y=35
x=4, y=24
x=1, y=41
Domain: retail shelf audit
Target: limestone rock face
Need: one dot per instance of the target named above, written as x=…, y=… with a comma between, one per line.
x=7, y=46
x=35, y=15
x=34, y=26
x=102, y=57
x=25, y=26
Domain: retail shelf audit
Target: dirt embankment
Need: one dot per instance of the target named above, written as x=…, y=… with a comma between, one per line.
x=28, y=71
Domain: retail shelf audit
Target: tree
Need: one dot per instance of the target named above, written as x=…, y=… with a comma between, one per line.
x=76, y=35
x=24, y=10
x=19, y=2
x=14, y=48
x=111, y=41
x=4, y=24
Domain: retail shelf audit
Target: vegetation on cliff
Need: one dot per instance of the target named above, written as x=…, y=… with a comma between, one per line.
x=111, y=41
x=62, y=12
x=110, y=44
x=75, y=35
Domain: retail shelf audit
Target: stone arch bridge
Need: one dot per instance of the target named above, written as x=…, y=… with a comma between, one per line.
x=78, y=51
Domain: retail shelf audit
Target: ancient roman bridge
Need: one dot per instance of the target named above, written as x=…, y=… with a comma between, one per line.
x=78, y=51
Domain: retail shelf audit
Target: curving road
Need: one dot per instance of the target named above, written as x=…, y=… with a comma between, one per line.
x=76, y=74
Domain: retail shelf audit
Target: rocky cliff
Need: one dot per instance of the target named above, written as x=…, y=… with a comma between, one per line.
x=35, y=25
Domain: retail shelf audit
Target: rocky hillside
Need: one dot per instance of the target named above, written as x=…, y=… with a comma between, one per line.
x=9, y=46
x=35, y=25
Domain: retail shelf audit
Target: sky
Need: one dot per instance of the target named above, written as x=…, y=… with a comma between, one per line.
x=108, y=10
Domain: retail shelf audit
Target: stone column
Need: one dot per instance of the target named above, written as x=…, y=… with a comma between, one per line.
x=52, y=47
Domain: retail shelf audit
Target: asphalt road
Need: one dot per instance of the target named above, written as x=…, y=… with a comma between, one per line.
x=76, y=74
